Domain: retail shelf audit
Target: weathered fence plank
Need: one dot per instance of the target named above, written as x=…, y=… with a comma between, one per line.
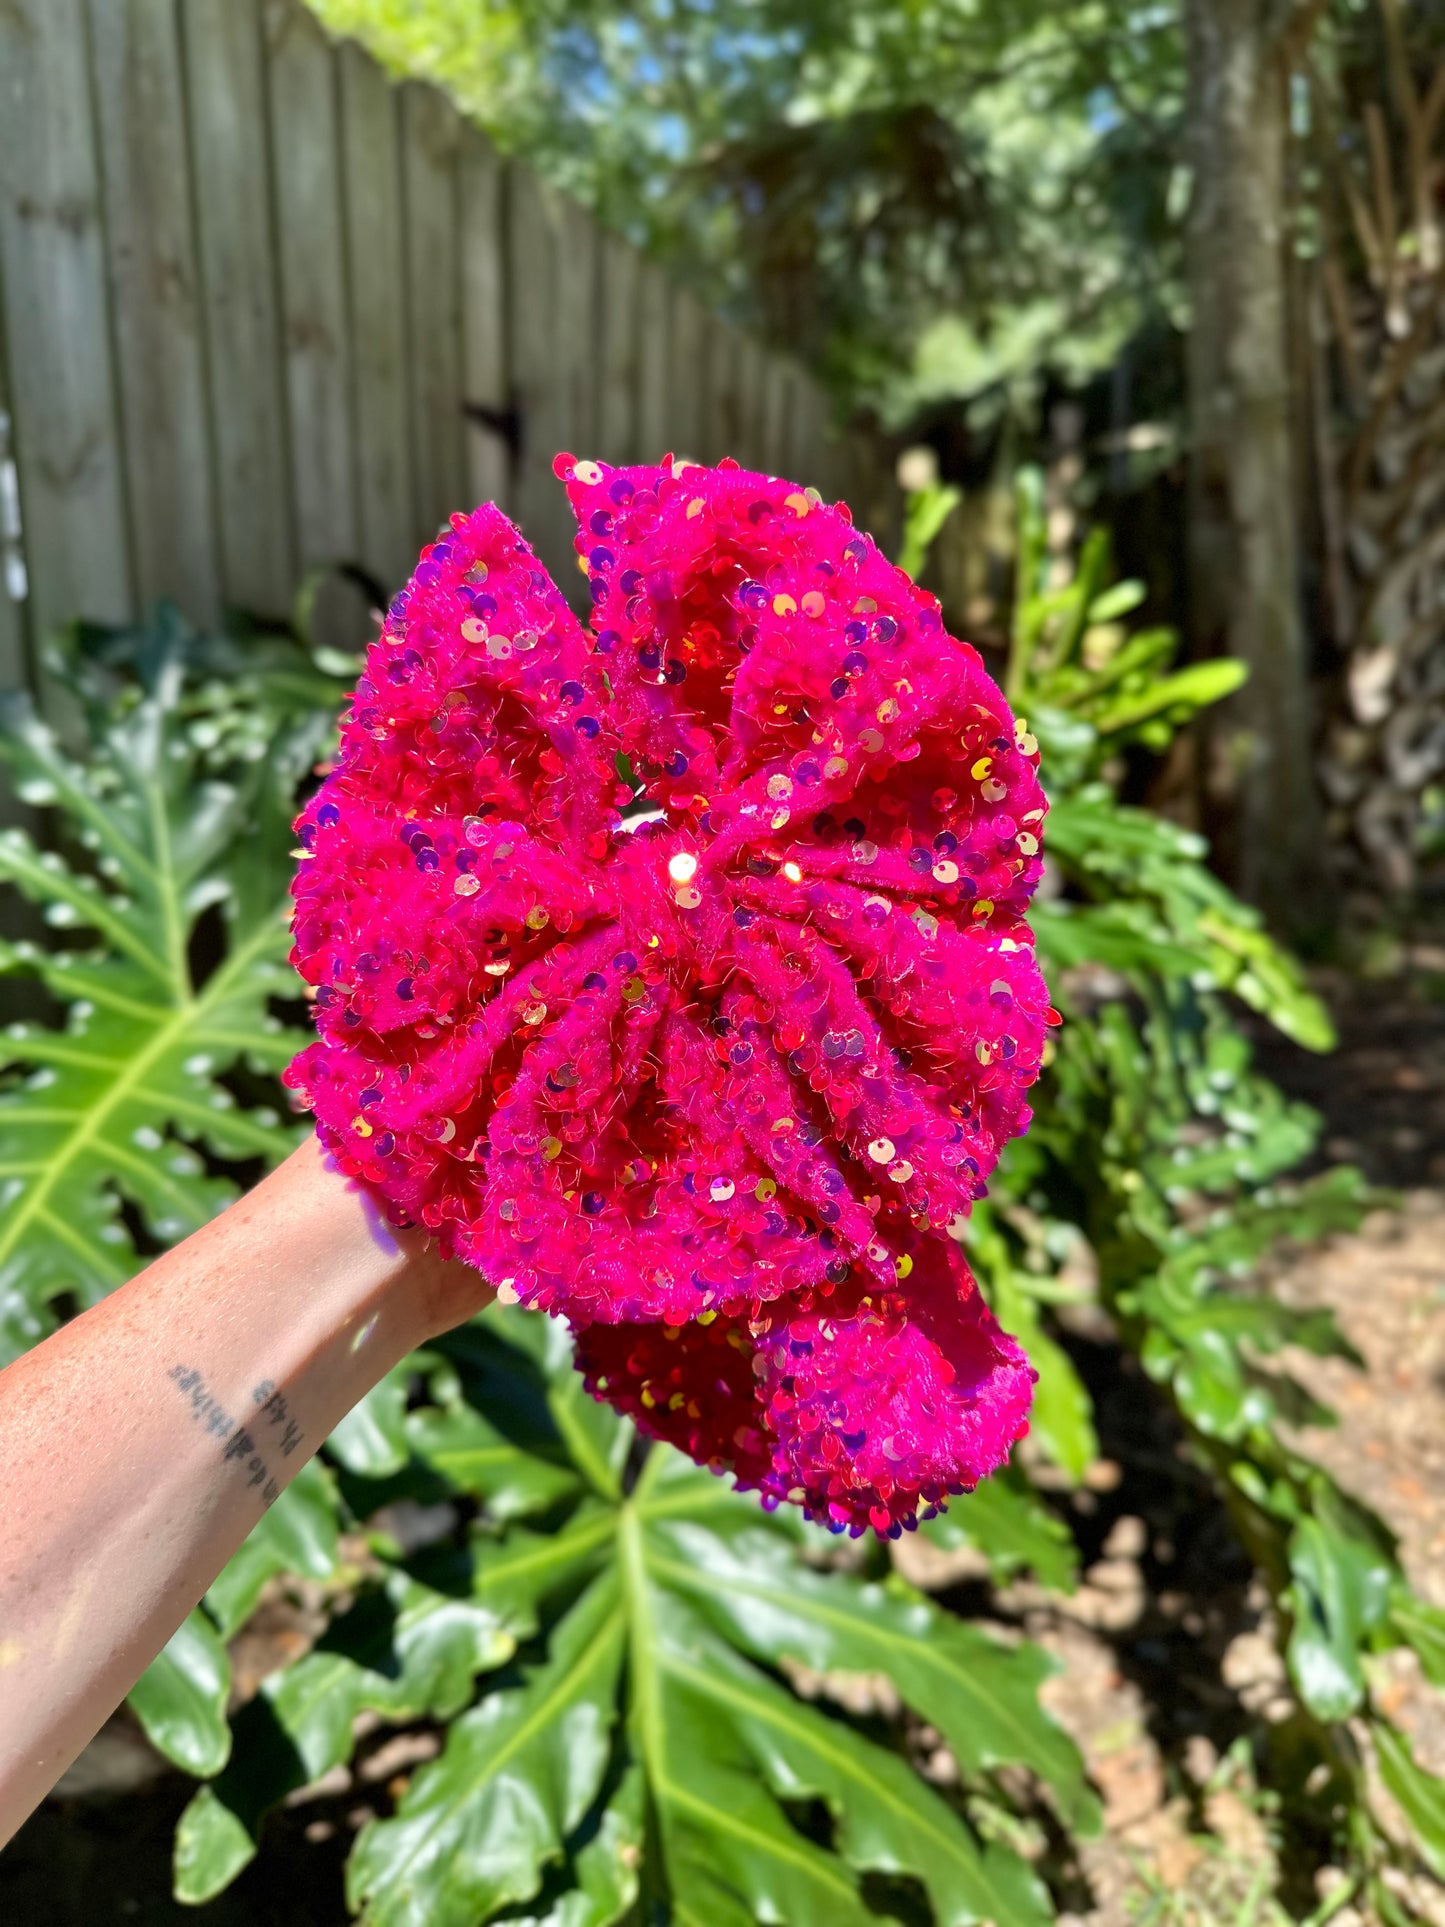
x=800, y=444
x=717, y=361
x=578, y=330
x=66, y=437
x=315, y=331
x=687, y=376
x=481, y=188
x=155, y=301
x=533, y=243
x=752, y=379
x=18, y=919
x=777, y=397
x=374, y=254
x=232, y=173
x=654, y=333
x=617, y=359
x=14, y=655
x=431, y=134
x=267, y=311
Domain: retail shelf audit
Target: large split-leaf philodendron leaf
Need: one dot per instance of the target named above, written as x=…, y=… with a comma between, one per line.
x=635, y=1734
x=120, y=1107
x=117, y=1107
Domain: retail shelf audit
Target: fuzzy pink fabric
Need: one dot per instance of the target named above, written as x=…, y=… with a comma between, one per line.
x=712, y=1081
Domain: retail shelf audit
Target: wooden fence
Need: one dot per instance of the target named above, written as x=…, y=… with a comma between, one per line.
x=266, y=311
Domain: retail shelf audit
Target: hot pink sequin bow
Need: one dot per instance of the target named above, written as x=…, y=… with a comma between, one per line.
x=677, y=975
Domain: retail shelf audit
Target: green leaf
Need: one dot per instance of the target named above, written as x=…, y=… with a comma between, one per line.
x=1423, y=1628
x=111, y=1106
x=1120, y=600
x=1340, y=1592
x=180, y=1699
x=473, y=1456
x=731, y=1854
x=297, y=1534
x=1005, y=1521
x=605, y=1869
x=371, y=1440
x=1269, y=980
x=212, y=1845
x=981, y=1696
x=924, y=513
x=1062, y=1419
x=887, y=1820
x=1189, y=689
x=405, y=1650
x=420, y=1640
x=518, y=1772
x=1421, y=1795
x=635, y=1691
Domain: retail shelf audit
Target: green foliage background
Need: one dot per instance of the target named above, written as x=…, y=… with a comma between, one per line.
x=924, y=199
x=610, y=1639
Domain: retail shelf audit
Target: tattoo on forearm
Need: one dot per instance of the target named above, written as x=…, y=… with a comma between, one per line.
x=240, y=1445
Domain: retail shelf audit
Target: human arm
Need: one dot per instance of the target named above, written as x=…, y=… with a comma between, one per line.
x=141, y=1443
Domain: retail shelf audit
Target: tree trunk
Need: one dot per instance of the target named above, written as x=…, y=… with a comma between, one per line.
x=1245, y=597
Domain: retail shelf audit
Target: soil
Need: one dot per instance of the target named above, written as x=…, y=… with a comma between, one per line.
x=1170, y=1678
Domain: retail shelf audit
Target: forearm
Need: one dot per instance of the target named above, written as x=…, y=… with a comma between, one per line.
x=141, y=1443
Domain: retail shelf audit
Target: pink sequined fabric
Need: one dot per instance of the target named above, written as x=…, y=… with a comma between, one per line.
x=677, y=975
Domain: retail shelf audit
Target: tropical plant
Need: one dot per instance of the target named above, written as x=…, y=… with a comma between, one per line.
x=1156, y=1138
x=643, y=1691
x=636, y=1742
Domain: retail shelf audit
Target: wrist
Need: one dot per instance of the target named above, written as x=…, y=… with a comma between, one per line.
x=383, y=1291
